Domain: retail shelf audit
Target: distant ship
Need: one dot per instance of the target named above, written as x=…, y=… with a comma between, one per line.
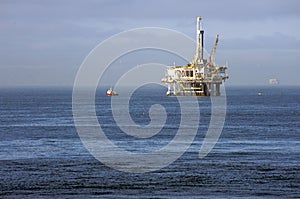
x=273, y=81
x=110, y=92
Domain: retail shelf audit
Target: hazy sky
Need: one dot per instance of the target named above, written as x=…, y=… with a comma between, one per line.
x=44, y=42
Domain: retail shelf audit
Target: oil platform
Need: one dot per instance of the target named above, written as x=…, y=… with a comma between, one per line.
x=201, y=77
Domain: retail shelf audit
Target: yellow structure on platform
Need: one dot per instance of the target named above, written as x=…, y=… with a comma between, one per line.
x=201, y=77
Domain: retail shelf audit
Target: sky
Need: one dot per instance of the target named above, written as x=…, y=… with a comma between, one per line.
x=43, y=43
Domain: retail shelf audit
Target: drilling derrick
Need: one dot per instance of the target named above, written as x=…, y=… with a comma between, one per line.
x=198, y=59
x=198, y=78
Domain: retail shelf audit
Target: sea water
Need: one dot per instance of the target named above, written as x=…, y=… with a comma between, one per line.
x=257, y=154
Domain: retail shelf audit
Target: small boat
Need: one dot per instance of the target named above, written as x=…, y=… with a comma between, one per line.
x=259, y=93
x=110, y=92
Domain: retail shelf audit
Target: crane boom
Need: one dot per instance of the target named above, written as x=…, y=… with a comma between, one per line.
x=214, y=50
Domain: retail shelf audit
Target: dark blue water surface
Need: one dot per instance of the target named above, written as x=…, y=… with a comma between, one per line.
x=257, y=155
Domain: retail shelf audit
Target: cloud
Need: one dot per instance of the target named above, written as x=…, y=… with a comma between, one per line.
x=141, y=9
x=57, y=35
x=277, y=41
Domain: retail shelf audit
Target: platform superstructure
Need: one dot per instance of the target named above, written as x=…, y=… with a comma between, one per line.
x=201, y=77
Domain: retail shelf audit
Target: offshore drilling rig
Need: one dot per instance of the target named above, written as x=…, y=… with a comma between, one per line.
x=201, y=77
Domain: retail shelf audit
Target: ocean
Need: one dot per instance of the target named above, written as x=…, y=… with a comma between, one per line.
x=256, y=156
